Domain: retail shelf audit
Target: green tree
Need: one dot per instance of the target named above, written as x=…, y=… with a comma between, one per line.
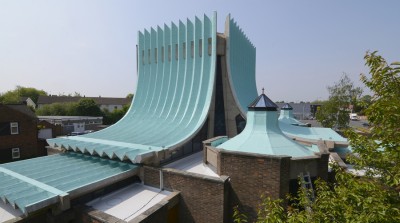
x=363, y=103
x=88, y=107
x=59, y=109
x=371, y=198
x=13, y=96
x=335, y=111
x=114, y=116
x=130, y=95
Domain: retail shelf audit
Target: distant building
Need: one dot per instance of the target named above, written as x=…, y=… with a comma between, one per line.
x=28, y=101
x=18, y=133
x=70, y=124
x=104, y=103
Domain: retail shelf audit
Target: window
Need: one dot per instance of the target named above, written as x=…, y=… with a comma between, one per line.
x=162, y=54
x=192, y=48
x=169, y=53
x=240, y=123
x=15, y=153
x=184, y=50
x=143, y=57
x=155, y=55
x=148, y=51
x=200, y=47
x=14, y=128
x=209, y=46
x=176, y=51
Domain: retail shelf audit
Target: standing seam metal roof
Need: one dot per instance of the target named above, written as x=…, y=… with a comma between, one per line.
x=36, y=183
x=173, y=96
x=262, y=133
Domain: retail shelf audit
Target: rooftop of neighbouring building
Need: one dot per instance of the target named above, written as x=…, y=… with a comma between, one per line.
x=99, y=100
x=22, y=108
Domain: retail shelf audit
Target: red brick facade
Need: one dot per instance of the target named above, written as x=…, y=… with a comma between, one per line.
x=253, y=175
x=203, y=198
x=25, y=140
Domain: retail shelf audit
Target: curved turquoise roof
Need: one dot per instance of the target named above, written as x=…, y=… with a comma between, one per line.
x=311, y=133
x=294, y=128
x=241, y=65
x=262, y=134
x=176, y=73
x=286, y=116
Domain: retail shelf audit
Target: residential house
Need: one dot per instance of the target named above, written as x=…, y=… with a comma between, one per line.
x=103, y=102
x=65, y=125
x=18, y=133
x=28, y=101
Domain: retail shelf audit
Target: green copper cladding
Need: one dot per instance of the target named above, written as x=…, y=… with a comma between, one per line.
x=262, y=134
x=40, y=182
x=241, y=64
x=176, y=73
x=294, y=128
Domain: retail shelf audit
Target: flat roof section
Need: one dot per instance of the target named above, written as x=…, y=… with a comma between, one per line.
x=129, y=202
x=193, y=163
x=7, y=212
x=33, y=184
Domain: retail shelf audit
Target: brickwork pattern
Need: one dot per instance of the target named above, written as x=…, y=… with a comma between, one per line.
x=26, y=140
x=253, y=175
x=202, y=197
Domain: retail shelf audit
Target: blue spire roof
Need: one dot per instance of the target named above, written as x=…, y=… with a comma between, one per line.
x=262, y=103
x=287, y=107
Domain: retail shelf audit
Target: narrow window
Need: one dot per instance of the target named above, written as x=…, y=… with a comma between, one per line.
x=184, y=50
x=155, y=55
x=209, y=46
x=14, y=128
x=192, y=48
x=149, y=56
x=176, y=52
x=162, y=54
x=15, y=153
x=169, y=53
x=200, y=47
x=143, y=57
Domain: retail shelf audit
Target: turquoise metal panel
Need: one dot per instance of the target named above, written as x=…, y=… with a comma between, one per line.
x=173, y=95
x=311, y=133
x=241, y=63
x=35, y=183
x=262, y=135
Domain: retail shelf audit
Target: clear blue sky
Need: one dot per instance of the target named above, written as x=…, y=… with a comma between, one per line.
x=88, y=46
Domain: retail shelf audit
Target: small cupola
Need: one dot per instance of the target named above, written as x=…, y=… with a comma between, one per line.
x=262, y=133
x=262, y=103
x=287, y=107
x=286, y=116
x=286, y=112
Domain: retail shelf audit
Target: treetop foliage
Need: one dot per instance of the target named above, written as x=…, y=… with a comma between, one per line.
x=374, y=197
x=335, y=111
x=14, y=96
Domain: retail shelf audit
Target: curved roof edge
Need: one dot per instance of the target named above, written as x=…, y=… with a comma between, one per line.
x=173, y=98
x=240, y=66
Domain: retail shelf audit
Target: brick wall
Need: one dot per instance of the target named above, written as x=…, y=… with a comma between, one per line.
x=252, y=175
x=203, y=198
x=26, y=140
